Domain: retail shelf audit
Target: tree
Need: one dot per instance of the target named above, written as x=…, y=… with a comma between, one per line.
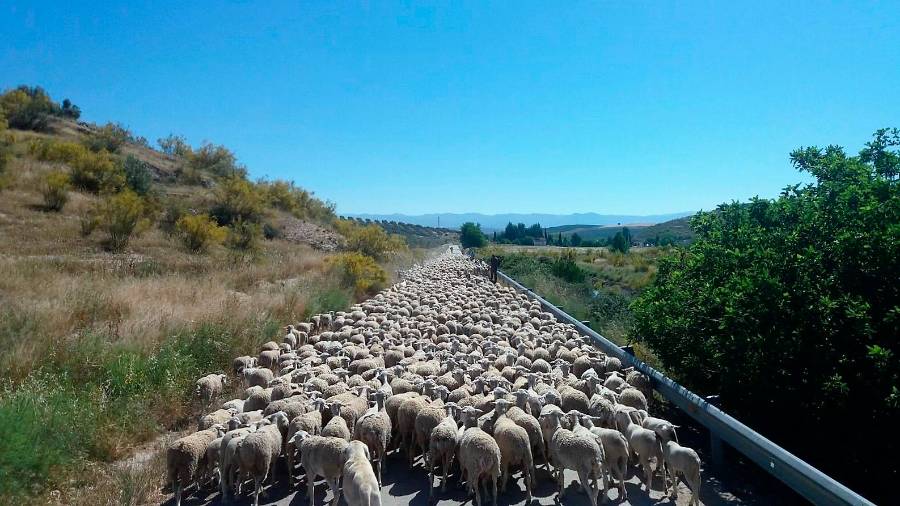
x=575, y=240
x=792, y=306
x=471, y=236
x=175, y=145
x=137, y=175
x=619, y=243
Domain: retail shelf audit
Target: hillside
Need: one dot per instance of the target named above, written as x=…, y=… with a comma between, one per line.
x=127, y=272
x=415, y=235
x=678, y=231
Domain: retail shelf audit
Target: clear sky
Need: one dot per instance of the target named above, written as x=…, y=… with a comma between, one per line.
x=611, y=107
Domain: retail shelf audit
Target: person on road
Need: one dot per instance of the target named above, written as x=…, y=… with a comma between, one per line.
x=495, y=264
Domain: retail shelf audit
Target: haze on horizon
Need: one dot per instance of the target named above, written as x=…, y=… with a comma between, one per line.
x=613, y=108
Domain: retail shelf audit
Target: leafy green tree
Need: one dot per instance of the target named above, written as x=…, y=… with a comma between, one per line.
x=174, y=145
x=575, y=240
x=792, y=306
x=471, y=236
x=619, y=243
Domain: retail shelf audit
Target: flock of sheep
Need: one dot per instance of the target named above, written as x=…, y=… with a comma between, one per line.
x=471, y=376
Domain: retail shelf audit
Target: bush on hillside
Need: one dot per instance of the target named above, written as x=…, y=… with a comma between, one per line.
x=244, y=236
x=237, y=199
x=286, y=196
x=92, y=172
x=790, y=306
x=216, y=160
x=199, y=232
x=54, y=188
x=566, y=268
x=359, y=272
x=28, y=108
x=109, y=137
x=137, y=175
x=120, y=216
x=370, y=240
x=174, y=145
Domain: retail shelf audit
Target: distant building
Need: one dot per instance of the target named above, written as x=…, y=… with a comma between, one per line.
x=540, y=241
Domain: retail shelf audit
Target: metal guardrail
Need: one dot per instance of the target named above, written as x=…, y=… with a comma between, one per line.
x=809, y=482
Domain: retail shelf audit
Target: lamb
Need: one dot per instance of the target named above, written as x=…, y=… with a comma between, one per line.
x=682, y=463
x=615, y=450
x=258, y=452
x=663, y=428
x=257, y=376
x=321, y=456
x=569, y=450
x=479, y=459
x=361, y=488
x=646, y=444
x=185, y=456
x=210, y=387
x=515, y=448
x=374, y=429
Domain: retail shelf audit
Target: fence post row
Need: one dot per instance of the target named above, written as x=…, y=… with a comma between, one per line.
x=809, y=482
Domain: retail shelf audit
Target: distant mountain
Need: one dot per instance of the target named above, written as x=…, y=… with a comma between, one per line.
x=498, y=221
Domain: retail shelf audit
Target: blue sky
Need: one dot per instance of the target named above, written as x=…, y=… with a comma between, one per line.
x=555, y=107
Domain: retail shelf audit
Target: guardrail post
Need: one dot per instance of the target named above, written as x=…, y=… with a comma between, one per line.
x=716, y=448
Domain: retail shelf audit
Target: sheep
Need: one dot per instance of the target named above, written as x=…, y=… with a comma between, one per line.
x=515, y=448
x=337, y=426
x=682, y=463
x=374, y=429
x=634, y=398
x=210, y=387
x=361, y=488
x=646, y=444
x=257, y=376
x=663, y=428
x=219, y=416
x=569, y=450
x=258, y=451
x=236, y=404
x=241, y=363
x=228, y=462
x=615, y=450
x=321, y=456
x=309, y=422
x=185, y=456
x=479, y=459
x=442, y=447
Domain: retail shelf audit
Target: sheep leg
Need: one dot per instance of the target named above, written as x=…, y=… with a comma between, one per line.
x=529, y=476
x=588, y=487
x=177, y=486
x=310, y=487
x=446, y=468
x=504, y=474
x=648, y=475
x=334, y=484
x=256, y=486
x=494, y=487
x=477, y=492
x=559, y=481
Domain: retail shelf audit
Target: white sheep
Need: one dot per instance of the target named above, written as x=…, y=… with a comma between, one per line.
x=185, y=456
x=374, y=429
x=210, y=387
x=479, y=458
x=569, y=450
x=646, y=444
x=361, y=487
x=258, y=451
x=682, y=463
x=321, y=456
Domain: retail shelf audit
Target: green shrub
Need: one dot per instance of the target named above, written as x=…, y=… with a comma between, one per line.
x=174, y=145
x=237, y=199
x=358, y=271
x=28, y=108
x=173, y=210
x=137, y=175
x=97, y=173
x=199, y=232
x=216, y=160
x=244, y=236
x=566, y=268
x=110, y=137
x=370, y=240
x=48, y=150
x=286, y=196
x=120, y=216
x=55, y=190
